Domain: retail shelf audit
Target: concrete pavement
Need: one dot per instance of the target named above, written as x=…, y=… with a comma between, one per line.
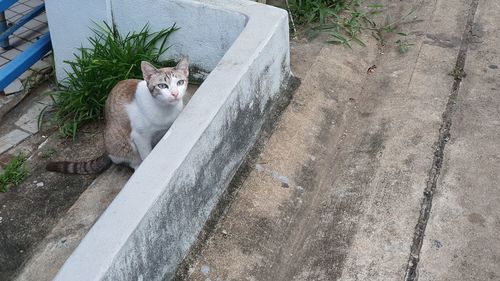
x=462, y=240
x=366, y=154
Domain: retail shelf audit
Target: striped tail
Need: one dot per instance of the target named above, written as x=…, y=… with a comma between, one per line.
x=84, y=168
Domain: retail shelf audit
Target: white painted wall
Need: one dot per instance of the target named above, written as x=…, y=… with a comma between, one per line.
x=69, y=23
x=205, y=39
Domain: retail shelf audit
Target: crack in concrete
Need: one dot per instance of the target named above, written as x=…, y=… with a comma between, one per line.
x=411, y=273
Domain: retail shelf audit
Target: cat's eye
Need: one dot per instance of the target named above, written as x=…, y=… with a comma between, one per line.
x=162, y=86
x=180, y=82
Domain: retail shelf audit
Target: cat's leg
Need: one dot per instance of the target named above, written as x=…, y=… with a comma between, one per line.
x=157, y=137
x=142, y=143
x=132, y=162
x=135, y=164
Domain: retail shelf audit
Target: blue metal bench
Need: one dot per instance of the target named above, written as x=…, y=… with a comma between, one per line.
x=27, y=58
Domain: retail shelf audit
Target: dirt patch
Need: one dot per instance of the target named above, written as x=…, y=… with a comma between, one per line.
x=30, y=210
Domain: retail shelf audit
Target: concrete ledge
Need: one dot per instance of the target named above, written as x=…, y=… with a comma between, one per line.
x=152, y=223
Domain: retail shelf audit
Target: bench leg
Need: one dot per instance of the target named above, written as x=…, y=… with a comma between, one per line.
x=3, y=26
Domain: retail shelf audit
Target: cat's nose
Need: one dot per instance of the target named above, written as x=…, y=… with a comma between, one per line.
x=174, y=94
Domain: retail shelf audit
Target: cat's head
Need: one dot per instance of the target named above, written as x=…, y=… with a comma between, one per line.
x=169, y=84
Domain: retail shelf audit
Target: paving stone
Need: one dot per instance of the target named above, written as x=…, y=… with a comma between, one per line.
x=29, y=120
x=26, y=74
x=14, y=87
x=42, y=17
x=32, y=3
x=8, y=102
x=23, y=29
x=20, y=8
x=10, y=54
x=33, y=24
x=3, y=61
x=18, y=43
x=29, y=35
x=11, y=15
x=5, y=100
x=11, y=139
x=40, y=65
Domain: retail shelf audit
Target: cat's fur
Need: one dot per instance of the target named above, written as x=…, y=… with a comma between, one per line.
x=137, y=113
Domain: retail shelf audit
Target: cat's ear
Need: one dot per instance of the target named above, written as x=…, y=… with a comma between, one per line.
x=148, y=70
x=183, y=65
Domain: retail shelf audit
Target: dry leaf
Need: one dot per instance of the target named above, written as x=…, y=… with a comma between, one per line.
x=371, y=69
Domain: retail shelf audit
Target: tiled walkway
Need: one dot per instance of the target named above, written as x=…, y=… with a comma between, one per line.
x=26, y=125
x=23, y=37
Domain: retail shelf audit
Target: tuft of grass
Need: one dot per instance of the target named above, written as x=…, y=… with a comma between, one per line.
x=458, y=73
x=14, y=172
x=391, y=28
x=95, y=70
x=49, y=153
x=346, y=20
x=343, y=20
x=403, y=45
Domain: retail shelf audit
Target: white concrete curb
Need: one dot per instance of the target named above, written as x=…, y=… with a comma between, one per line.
x=152, y=223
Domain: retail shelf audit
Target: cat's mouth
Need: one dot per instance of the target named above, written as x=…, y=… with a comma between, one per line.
x=174, y=100
x=168, y=99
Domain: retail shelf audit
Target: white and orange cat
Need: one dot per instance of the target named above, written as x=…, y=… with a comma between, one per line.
x=137, y=114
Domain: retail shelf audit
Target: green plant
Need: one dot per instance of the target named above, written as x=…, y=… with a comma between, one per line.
x=403, y=45
x=37, y=77
x=48, y=154
x=14, y=172
x=458, y=73
x=342, y=19
x=345, y=20
x=110, y=58
x=391, y=27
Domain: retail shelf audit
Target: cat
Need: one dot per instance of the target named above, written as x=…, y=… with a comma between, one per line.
x=137, y=114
